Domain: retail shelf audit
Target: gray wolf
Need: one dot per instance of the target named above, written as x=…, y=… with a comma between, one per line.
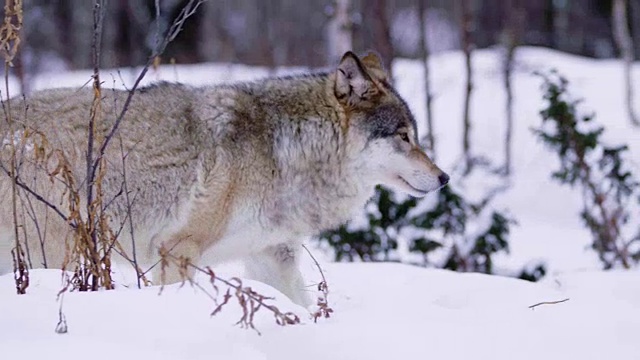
x=242, y=170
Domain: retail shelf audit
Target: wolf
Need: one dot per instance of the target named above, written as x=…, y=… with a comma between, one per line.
x=240, y=171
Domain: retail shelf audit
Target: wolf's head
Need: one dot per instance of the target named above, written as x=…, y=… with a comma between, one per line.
x=383, y=123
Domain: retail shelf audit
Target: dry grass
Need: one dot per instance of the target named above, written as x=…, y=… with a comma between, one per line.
x=9, y=45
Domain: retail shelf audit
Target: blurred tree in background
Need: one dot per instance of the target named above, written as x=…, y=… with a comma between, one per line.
x=290, y=32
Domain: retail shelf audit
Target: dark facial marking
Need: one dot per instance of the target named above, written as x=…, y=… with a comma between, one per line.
x=383, y=121
x=407, y=113
x=386, y=120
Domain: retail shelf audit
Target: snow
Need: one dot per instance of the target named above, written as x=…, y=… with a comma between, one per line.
x=385, y=310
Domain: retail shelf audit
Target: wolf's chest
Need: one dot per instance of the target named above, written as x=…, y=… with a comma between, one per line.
x=248, y=233
x=310, y=210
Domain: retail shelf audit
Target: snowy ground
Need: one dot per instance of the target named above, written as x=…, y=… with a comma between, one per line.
x=383, y=311
x=388, y=310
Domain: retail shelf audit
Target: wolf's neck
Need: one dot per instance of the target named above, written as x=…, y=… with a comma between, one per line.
x=318, y=182
x=316, y=185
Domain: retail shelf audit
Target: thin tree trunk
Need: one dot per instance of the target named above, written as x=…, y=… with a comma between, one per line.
x=511, y=37
x=339, y=31
x=265, y=13
x=634, y=9
x=466, y=23
x=382, y=33
x=216, y=44
x=625, y=44
x=561, y=39
x=20, y=71
x=508, y=67
x=424, y=50
x=81, y=25
x=208, y=36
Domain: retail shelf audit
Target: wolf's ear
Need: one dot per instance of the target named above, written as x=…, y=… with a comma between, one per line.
x=374, y=66
x=353, y=84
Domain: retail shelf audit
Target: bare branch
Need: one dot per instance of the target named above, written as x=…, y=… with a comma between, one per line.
x=42, y=233
x=129, y=213
x=249, y=300
x=548, y=303
x=323, y=288
x=37, y=196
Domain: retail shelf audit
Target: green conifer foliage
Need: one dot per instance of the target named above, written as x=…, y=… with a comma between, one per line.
x=610, y=191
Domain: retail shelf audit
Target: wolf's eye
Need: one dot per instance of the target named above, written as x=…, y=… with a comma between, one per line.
x=404, y=136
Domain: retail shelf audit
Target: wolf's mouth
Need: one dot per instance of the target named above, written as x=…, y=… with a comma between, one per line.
x=419, y=191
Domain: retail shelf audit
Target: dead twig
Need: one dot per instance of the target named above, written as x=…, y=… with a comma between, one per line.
x=548, y=303
x=323, y=292
x=130, y=214
x=38, y=197
x=250, y=301
x=61, y=327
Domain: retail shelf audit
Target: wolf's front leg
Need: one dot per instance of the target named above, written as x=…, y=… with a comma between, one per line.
x=278, y=266
x=179, y=252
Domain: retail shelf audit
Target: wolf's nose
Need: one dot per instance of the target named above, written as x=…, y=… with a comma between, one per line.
x=444, y=179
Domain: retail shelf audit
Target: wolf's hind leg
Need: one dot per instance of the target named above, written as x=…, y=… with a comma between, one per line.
x=278, y=266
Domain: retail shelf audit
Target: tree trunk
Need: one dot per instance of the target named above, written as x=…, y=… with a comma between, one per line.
x=511, y=37
x=424, y=51
x=625, y=44
x=561, y=38
x=382, y=33
x=634, y=9
x=81, y=25
x=265, y=13
x=215, y=43
x=19, y=69
x=507, y=70
x=466, y=26
x=339, y=31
